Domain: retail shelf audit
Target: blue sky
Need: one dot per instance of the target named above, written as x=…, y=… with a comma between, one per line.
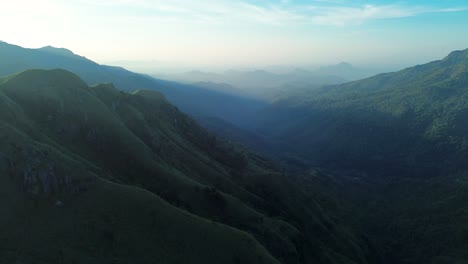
x=243, y=33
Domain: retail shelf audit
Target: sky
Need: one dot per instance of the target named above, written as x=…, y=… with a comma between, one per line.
x=241, y=33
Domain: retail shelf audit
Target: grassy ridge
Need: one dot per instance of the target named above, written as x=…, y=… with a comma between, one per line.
x=88, y=219
x=124, y=156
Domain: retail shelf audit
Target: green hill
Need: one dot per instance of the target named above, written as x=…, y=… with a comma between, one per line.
x=389, y=121
x=97, y=175
x=93, y=174
x=395, y=146
x=196, y=101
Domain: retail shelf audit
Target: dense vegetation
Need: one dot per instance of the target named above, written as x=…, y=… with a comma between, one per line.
x=375, y=169
x=387, y=123
x=391, y=148
x=96, y=175
x=397, y=145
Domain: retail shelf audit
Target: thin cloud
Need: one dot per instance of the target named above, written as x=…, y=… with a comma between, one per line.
x=342, y=15
x=211, y=10
x=324, y=12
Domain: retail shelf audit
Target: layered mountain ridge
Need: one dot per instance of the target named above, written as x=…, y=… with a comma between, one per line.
x=97, y=175
x=192, y=99
x=388, y=117
x=132, y=173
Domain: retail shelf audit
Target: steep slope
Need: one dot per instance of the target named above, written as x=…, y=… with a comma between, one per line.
x=59, y=206
x=66, y=213
x=387, y=122
x=396, y=144
x=191, y=99
x=133, y=153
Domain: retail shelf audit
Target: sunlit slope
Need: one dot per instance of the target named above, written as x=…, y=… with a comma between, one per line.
x=189, y=98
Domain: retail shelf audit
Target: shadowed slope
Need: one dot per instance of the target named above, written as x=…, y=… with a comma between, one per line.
x=138, y=144
x=59, y=211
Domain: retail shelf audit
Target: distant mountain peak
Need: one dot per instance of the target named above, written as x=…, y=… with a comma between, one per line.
x=58, y=76
x=52, y=48
x=259, y=71
x=344, y=64
x=196, y=72
x=8, y=45
x=341, y=66
x=300, y=70
x=336, y=69
x=58, y=51
x=457, y=56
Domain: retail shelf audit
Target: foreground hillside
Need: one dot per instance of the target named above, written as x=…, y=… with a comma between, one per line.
x=96, y=175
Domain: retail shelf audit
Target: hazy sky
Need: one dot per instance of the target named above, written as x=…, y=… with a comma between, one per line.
x=249, y=32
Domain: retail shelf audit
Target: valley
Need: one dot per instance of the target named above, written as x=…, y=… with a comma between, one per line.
x=102, y=165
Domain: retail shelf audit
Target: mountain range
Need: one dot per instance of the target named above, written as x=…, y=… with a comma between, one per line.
x=266, y=85
x=396, y=144
x=195, y=100
x=98, y=175
x=368, y=171
x=380, y=120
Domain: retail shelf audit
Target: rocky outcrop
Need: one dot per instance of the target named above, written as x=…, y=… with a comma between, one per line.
x=42, y=177
x=40, y=173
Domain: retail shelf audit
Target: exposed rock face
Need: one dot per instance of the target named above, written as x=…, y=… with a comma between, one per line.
x=40, y=174
x=5, y=162
x=43, y=178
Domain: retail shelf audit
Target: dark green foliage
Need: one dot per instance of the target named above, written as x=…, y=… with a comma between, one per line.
x=383, y=124
x=95, y=175
x=397, y=145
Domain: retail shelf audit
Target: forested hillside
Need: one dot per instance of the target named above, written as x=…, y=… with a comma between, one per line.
x=97, y=175
x=396, y=145
x=371, y=171
x=383, y=124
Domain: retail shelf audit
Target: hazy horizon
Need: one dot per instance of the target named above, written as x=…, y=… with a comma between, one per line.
x=241, y=34
x=224, y=131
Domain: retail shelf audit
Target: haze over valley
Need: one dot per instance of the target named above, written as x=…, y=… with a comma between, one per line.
x=331, y=132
